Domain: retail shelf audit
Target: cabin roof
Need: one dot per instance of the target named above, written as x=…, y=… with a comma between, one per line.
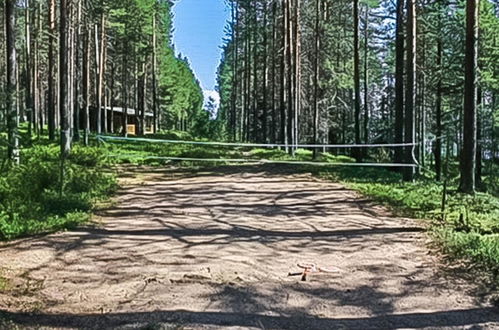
x=130, y=112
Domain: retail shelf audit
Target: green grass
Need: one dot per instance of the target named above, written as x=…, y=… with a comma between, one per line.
x=30, y=198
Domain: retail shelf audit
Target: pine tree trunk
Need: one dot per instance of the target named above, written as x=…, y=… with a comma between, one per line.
x=99, y=56
x=315, y=103
x=410, y=94
x=111, y=98
x=51, y=102
x=422, y=134
x=27, y=66
x=124, y=85
x=142, y=99
x=235, y=68
x=399, y=81
x=273, y=53
x=366, y=78
x=290, y=74
x=78, y=77
x=479, y=150
x=70, y=73
x=283, y=119
x=254, y=94
x=11, y=97
x=438, y=142
x=356, y=77
x=154, y=79
x=36, y=108
x=63, y=82
x=103, y=79
x=86, y=86
x=265, y=77
x=297, y=73
x=468, y=155
x=242, y=120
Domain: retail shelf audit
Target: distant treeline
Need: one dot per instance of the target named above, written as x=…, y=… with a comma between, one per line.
x=343, y=71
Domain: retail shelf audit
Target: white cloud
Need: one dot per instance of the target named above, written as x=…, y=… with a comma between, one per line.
x=216, y=97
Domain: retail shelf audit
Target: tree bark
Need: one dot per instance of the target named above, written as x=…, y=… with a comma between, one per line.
x=356, y=78
x=63, y=81
x=86, y=86
x=297, y=71
x=438, y=142
x=11, y=97
x=111, y=98
x=51, y=71
x=399, y=81
x=124, y=85
x=284, y=135
x=468, y=154
x=315, y=103
x=265, y=77
x=366, y=78
x=142, y=98
x=99, y=56
x=154, y=79
x=273, y=74
x=78, y=76
x=410, y=94
x=103, y=78
x=479, y=149
x=27, y=67
x=290, y=81
x=36, y=109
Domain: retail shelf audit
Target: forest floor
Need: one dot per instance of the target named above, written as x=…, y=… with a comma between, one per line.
x=212, y=249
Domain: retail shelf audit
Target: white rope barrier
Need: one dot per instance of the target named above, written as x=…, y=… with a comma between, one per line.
x=262, y=161
x=103, y=138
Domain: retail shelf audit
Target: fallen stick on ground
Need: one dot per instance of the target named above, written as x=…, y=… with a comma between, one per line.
x=311, y=269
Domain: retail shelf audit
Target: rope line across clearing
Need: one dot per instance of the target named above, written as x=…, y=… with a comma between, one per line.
x=264, y=161
x=103, y=138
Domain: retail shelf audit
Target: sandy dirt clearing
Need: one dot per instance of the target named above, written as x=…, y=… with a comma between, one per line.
x=214, y=249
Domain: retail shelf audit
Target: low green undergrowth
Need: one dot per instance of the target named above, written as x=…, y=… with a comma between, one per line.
x=30, y=194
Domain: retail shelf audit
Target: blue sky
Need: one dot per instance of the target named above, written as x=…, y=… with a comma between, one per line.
x=198, y=32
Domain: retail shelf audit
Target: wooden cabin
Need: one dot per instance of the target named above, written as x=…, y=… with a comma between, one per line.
x=114, y=118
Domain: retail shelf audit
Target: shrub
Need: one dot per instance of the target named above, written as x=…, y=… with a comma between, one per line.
x=30, y=196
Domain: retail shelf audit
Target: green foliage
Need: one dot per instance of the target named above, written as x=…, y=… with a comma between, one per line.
x=172, y=135
x=481, y=249
x=180, y=93
x=30, y=199
x=491, y=179
x=275, y=154
x=132, y=24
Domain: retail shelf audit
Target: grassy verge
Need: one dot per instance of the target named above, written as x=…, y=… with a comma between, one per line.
x=30, y=198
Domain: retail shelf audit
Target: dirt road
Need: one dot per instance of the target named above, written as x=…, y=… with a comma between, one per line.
x=214, y=250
